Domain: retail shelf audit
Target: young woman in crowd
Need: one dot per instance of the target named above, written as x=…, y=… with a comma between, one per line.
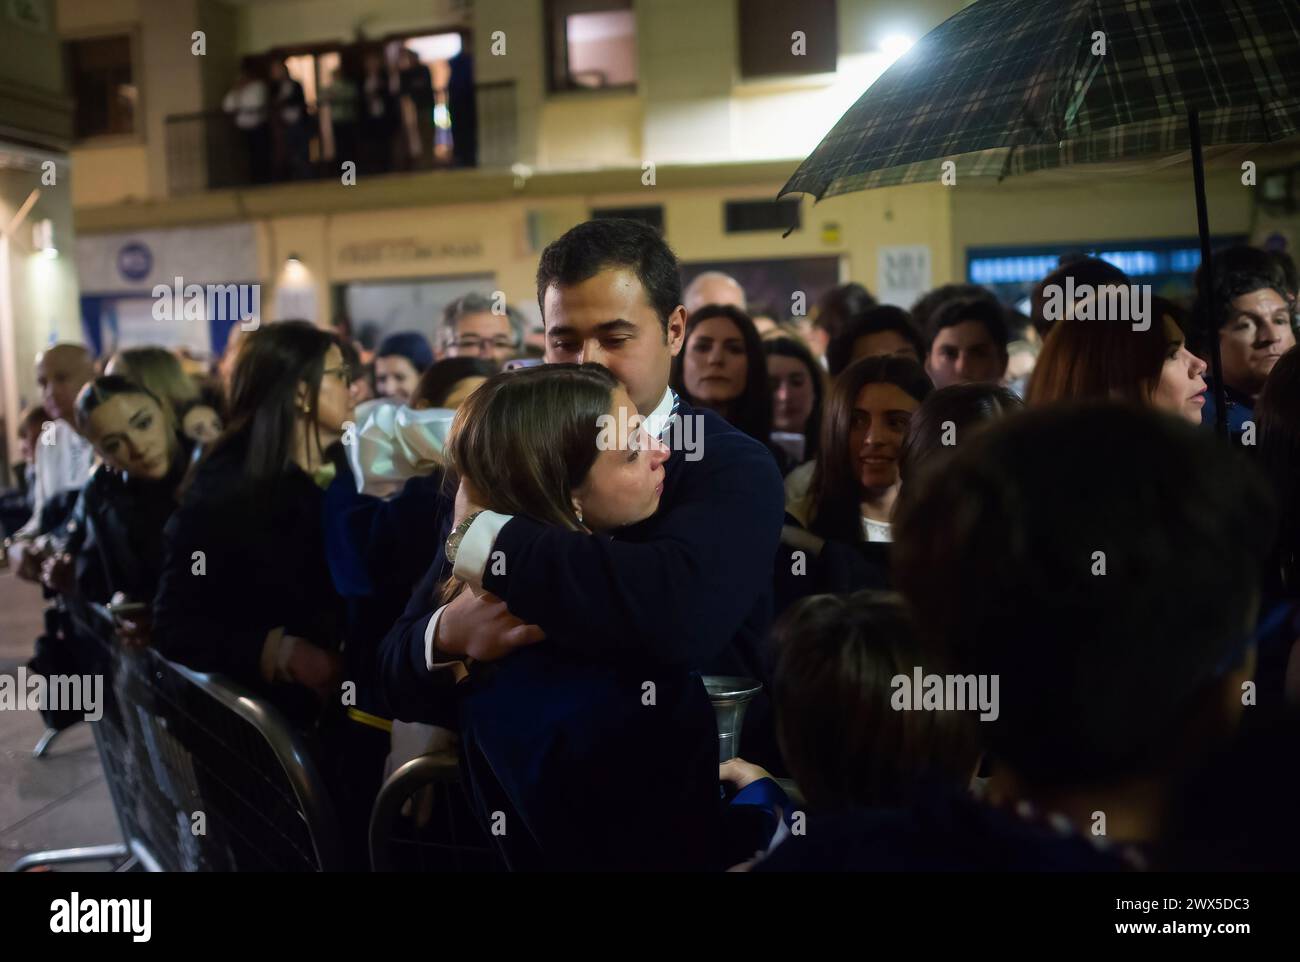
x=587, y=775
x=245, y=589
x=836, y=535
x=798, y=385
x=201, y=420
x=115, y=543
x=399, y=361
x=722, y=366
x=1111, y=359
x=854, y=486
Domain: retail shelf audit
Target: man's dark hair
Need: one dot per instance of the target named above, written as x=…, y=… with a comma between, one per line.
x=1090, y=271
x=978, y=309
x=932, y=300
x=875, y=320
x=613, y=242
x=845, y=745
x=1103, y=562
x=838, y=305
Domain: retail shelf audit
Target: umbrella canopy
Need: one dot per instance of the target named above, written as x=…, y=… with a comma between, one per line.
x=1012, y=86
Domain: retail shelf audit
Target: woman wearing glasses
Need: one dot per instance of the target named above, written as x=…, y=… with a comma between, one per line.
x=245, y=588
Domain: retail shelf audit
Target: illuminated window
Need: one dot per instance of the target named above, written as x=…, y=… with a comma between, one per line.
x=592, y=44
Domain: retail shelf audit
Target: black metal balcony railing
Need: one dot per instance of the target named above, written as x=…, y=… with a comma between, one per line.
x=208, y=151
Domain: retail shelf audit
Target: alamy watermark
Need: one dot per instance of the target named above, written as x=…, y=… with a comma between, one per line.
x=677, y=433
x=32, y=692
x=921, y=692
x=77, y=916
x=1107, y=302
x=208, y=302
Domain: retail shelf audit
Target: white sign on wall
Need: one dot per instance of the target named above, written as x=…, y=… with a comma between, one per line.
x=132, y=262
x=904, y=274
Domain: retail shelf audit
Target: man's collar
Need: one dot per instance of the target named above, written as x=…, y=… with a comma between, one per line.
x=657, y=421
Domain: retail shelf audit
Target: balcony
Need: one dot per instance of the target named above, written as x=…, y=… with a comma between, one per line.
x=210, y=151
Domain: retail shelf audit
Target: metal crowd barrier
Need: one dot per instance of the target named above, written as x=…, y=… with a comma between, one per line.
x=422, y=822
x=204, y=775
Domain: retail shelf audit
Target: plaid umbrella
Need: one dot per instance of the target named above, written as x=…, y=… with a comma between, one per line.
x=1012, y=86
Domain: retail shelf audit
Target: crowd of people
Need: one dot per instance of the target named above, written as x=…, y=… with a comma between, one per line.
x=539, y=559
x=375, y=111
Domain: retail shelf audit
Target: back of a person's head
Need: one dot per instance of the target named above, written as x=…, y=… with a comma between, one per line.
x=1077, y=272
x=1103, y=563
x=613, y=243
x=874, y=320
x=949, y=417
x=526, y=439
x=838, y=305
x=979, y=310
x=932, y=300
x=832, y=691
x=441, y=378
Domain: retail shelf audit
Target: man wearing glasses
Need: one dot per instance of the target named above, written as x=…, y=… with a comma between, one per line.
x=472, y=328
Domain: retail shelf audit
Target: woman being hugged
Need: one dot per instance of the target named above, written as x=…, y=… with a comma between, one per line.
x=595, y=764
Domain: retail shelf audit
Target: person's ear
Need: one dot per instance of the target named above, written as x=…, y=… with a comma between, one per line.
x=676, y=333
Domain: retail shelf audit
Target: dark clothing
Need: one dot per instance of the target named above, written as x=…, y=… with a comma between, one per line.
x=378, y=549
x=836, y=567
x=119, y=536
x=595, y=766
x=239, y=562
x=944, y=830
x=687, y=590
x=462, y=105
x=1241, y=408
x=689, y=587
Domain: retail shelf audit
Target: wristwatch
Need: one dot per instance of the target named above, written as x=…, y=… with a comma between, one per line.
x=457, y=535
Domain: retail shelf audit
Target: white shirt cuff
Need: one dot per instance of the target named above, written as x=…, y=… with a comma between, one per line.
x=429, y=632
x=476, y=548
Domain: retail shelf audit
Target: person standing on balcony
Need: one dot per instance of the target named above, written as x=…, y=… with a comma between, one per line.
x=344, y=101
x=290, y=123
x=415, y=87
x=378, y=117
x=246, y=103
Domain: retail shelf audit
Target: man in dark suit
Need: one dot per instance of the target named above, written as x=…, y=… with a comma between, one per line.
x=690, y=587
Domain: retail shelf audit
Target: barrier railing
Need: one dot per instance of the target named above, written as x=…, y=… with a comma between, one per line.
x=204, y=775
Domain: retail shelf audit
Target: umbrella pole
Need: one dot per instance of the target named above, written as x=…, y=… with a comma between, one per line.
x=1207, y=281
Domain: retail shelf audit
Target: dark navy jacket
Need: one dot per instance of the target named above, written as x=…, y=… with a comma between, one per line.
x=559, y=737
x=689, y=587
